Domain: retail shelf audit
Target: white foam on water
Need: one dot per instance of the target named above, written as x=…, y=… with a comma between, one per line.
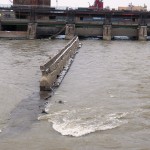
x=112, y=96
x=83, y=121
x=0, y=131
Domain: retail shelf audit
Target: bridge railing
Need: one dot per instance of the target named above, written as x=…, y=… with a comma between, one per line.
x=53, y=67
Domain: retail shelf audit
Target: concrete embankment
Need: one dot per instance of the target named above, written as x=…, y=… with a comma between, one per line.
x=52, y=69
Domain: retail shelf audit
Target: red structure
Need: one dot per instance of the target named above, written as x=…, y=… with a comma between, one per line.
x=98, y=4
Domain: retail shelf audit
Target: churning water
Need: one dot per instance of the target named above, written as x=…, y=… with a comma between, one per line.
x=83, y=121
x=104, y=97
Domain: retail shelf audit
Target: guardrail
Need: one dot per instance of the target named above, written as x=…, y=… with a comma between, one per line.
x=52, y=69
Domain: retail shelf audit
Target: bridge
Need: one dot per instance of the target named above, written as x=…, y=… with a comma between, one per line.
x=33, y=22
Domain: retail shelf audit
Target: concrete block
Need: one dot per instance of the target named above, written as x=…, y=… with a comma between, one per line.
x=142, y=33
x=70, y=31
x=31, y=32
x=107, y=31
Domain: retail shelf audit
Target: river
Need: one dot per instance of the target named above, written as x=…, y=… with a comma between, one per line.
x=105, y=97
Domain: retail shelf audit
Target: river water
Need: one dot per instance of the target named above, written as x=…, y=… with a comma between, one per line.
x=105, y=97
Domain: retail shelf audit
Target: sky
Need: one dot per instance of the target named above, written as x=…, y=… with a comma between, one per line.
x=85, y=3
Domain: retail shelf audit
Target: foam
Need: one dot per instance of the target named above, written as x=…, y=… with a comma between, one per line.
x=83, y=121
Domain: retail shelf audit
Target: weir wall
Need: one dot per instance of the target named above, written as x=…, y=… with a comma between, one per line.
x=54, y=66
x=45, y=22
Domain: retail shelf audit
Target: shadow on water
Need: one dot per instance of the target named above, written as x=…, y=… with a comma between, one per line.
x=25, y=114
x=20, y=74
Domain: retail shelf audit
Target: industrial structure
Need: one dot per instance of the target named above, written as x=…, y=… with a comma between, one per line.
x=32, y=2
x=29, y=19
x=98, y=4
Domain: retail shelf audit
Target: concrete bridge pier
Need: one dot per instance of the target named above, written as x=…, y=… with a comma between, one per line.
x=70, y=31
x=142, y=33
x=107, y=30
x=31, y=32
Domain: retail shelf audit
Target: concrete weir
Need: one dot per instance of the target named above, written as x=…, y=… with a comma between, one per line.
x=107, y=32
x=142, y=33
x=24, y=22
x=52, y=69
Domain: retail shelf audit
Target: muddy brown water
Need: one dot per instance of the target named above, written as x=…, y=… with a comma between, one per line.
x=105, y=97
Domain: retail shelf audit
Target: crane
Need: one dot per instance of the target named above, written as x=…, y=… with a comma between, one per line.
x=98, y=4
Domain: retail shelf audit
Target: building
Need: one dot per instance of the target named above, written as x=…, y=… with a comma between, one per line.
x=134, y=8
x=32, y=2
